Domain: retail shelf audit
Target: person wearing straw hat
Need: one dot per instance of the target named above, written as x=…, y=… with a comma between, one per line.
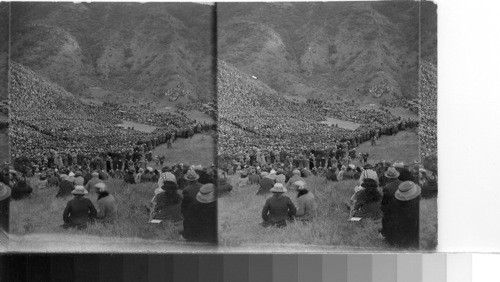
x=79, y=211
x=200, y=222
x=106, y=204
x=391, y=186
x=400, y=223
x=4, y=206
x=278, y=209
x=306, y=203
x=190, y=190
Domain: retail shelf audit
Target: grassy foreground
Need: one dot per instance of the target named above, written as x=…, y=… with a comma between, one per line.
x=42, y=213
x=240, y=215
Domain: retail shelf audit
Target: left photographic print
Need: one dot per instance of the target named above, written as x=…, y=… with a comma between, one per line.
x=4, y=124
x=112, y=127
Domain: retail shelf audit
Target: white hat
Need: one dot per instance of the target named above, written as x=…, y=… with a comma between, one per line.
x=272, y=171
x=278, y=188
x=407, y=191
x=352, y=166
x=206, y=193
x=301, y=185
x=79, y=190
x=71, y=174
x=101, y=186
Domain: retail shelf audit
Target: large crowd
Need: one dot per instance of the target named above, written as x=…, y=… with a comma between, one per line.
x=46, y=120
x=253, y=120
x=428, y=109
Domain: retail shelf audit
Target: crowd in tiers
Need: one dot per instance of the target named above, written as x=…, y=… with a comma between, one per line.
x=253, y=120
x=428, y=109
x=387, y=193
x=46, y=120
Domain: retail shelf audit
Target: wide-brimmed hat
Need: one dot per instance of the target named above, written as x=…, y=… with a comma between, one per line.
x=301, y=185
x=206, y=193
x=369, y=183
x=168, y=176
x=79, y=190
x=278, y=188
x=95, y=173
x=71, y=174
x=391, y=173
x=191, y=175
x=198, y=167
x=4, y=191
x=101, y=187
x=407, y=190
x=352, y=166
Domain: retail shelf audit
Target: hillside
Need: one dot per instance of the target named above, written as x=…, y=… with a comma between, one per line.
x=356, y=50
x=4, y=49
x=118, y=51
x=45, y=116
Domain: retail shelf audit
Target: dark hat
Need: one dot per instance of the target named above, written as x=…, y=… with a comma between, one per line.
x=406, y=175
x=369, y=183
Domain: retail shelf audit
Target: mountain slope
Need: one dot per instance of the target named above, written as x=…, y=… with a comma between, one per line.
x=113, y=50
x=324, y=50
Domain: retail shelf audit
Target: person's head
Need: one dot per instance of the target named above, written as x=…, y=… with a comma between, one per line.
x=206, y=194
x=370, y=193
x=79, y=191
x=169, y=186
x=407, y=191
x=191, y=176
x=391, y=174
x=278, y=189
x=406, y=175
x=95, y=174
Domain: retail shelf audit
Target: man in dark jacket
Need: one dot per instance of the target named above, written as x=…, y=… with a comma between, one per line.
x=200, y=222
x=20, y=189
x=278, y=209
x=79, y=210
x=190, y=191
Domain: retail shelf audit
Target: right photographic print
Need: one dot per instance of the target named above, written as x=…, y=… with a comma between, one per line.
x=327, y=126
